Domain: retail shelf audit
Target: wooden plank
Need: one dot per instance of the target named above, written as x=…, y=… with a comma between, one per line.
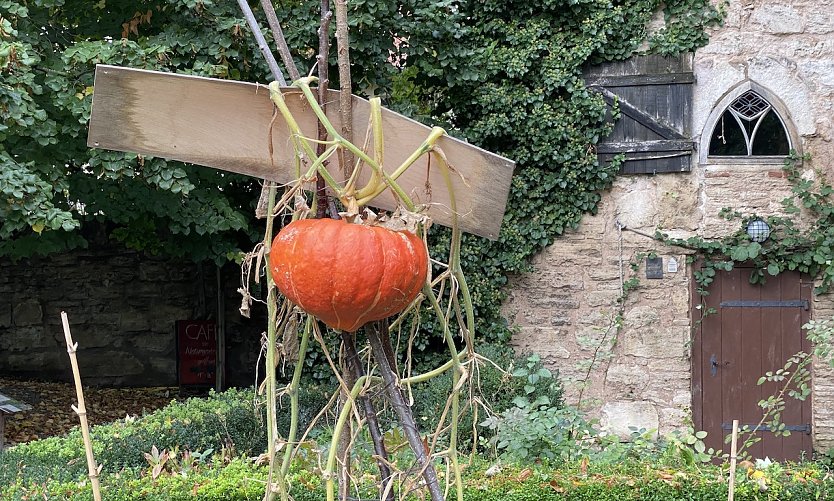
x=732, y=338
x=774, y=330
x=640, y=80
x=645, y=146
x=806, y=288
x=651, y=64
x=656, y=166
x=752, y=358
x=696, y=313
x=791, y=321
x=711, y=397
x=224, y=124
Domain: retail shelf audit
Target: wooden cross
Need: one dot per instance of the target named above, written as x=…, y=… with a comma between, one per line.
x=224, y=124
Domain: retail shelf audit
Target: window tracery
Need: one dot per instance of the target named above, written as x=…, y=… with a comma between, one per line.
x=749, y=127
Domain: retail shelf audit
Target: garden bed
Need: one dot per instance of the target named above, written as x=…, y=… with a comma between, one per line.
x=52, y=415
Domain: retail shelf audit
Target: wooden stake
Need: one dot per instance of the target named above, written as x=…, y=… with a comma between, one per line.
x=733, y=444
x=81, y=410
x=345, y=84
x=384, y=355
x=262, y=45
x=280, y=41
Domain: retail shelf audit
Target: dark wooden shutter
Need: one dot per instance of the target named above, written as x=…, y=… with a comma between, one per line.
x=654, y=95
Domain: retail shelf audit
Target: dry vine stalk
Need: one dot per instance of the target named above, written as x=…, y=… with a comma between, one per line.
x=353, y=199
x=81, y=410
x=311, y=164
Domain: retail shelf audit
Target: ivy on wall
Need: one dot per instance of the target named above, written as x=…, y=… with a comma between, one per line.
x=526, y=100
x=801, y=240
x=504, y=74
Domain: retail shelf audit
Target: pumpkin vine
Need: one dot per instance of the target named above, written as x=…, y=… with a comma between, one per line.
x=305, y=245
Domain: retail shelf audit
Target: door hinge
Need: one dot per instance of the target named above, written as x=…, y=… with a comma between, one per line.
x=796, y=303
x=805, y=428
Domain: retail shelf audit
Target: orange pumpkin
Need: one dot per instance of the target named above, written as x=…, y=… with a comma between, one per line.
x=347, y=274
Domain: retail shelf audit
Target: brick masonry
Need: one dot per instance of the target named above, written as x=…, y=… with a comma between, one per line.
x=122, y=307
x=568, y=304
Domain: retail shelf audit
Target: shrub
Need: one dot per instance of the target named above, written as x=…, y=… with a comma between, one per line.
x=240, y=479
x=231, y=419
x=526, y=377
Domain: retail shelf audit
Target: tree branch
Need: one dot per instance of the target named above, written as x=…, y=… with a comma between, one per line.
x=346, y=96
x=280, y=41
x=262, y=45
x=378, y=339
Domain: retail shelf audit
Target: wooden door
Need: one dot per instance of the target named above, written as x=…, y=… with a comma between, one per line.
x=755, y=329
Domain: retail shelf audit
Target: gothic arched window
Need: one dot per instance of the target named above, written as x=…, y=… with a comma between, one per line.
x=749, y=127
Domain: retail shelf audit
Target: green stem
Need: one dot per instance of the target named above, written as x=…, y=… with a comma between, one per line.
x=304, y=85
x=292, y=390
x=376, y=132
x=376, y=125
x=368, y=193
x=272, y=309
x=277, y=98
x=425, y=147
x=457, y=274
x=421, y=378
x=329, y=472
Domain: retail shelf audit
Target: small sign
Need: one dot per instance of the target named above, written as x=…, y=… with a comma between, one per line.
x=654, y=267
x=196, y=352
x=672, y=265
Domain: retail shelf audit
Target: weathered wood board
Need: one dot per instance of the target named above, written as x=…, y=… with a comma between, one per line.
x=225, y=125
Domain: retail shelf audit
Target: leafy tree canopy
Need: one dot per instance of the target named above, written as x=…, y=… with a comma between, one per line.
x=505, y=74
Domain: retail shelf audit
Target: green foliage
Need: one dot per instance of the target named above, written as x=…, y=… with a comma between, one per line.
x=794, y=245
x=578, y=481
x=492, y=389
x=194, y=449
x=506, y=75
x=231, y=419
x=53, y=187
x=820, y=333
x=518, y=91
x=688, y=447
x=683, y=29
x=531, y=431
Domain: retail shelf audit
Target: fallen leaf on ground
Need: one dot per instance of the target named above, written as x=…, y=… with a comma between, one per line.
x=52, y=402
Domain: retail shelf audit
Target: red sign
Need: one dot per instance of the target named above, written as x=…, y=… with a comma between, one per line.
x=196, y=352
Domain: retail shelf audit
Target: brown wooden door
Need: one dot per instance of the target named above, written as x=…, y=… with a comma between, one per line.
x=755, y=329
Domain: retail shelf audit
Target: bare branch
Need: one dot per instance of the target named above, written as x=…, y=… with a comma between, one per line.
x=280, y=41
x=346, y=97
x=262, y=45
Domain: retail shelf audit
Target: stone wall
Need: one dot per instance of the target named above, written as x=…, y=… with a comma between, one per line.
x=122, y=307
x=564, y=308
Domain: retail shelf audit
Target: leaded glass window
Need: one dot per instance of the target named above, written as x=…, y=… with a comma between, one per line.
x=749, y=127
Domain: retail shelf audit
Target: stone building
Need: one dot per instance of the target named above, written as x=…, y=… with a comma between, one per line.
x=656, y=367
x=123, y=308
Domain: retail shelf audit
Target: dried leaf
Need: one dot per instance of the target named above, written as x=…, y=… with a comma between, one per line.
x=51, y=412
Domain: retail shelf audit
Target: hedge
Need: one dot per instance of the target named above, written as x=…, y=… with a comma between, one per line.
x=229, y=419
x=242, y=480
